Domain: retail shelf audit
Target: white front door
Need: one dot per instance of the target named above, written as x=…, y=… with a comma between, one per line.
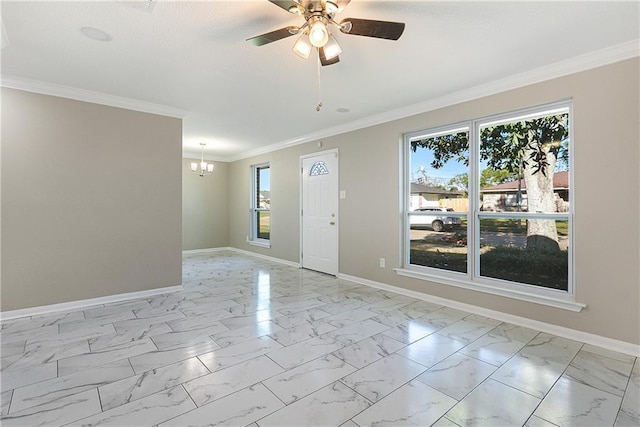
x=320, y=212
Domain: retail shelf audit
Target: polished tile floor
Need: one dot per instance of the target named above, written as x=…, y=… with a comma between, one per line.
x=252, y=342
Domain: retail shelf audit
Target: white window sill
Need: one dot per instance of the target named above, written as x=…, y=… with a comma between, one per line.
x=565, y=302
x=260, y=243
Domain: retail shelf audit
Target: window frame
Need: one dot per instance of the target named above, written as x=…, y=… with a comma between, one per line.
x=472, y=278
x=254, y=209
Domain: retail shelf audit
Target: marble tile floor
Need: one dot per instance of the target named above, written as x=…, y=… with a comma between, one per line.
x=249, y=342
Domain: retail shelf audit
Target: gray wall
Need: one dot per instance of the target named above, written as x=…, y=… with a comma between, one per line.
x=205, y=207
x=607, y=235
x=91, y=200
x=285, y=203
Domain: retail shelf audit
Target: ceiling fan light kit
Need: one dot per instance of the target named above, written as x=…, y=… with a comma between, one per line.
x=319, y=17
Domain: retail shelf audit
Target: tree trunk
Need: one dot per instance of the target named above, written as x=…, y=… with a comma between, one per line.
x=541, y=233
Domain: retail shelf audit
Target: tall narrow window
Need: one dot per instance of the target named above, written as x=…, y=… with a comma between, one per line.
x=261, y=205
x=488, y=205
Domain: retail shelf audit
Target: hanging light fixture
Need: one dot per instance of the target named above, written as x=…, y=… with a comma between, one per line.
x=205, y=168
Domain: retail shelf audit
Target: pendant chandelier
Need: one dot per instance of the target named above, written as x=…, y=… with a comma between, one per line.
x=205, y=168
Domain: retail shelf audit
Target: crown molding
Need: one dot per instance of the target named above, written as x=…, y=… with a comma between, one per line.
x=78, y=94
x=573, y=65
x=196, y=155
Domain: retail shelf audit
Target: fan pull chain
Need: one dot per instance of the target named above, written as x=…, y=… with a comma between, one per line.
x=319, y=105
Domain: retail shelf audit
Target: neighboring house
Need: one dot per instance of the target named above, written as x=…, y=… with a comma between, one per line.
x=426, y=196
x=265, y=199
x=504, y=197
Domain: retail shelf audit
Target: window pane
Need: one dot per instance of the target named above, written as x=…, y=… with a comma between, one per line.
x=445, y=250
x=263, y=185
x=263, y=228
x=524, y=167
x=261, y=203
x=524, y=164
x=505, y=253
x=438, y=201
x=319, y=168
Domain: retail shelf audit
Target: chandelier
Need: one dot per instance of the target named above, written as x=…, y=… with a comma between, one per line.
x=205, y=168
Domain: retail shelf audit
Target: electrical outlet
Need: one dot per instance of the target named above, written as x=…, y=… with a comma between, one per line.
x=382, y=262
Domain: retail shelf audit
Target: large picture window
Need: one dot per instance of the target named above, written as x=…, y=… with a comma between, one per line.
x=488, y=204
x=261, y=204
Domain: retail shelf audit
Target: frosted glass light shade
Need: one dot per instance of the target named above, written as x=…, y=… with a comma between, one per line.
x=302, y=47
x=318, y=34
x=332, y=48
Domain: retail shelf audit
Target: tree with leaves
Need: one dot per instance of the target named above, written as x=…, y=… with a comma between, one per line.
x=532, y=147
x=460, y=182
x=488, y=178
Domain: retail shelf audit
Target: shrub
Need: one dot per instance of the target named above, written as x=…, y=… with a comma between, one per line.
x=535, y=267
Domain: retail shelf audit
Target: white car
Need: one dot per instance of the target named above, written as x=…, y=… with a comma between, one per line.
x=436, y=219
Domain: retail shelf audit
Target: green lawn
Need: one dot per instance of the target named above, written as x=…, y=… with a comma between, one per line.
x=264, y=225
x=517, y=226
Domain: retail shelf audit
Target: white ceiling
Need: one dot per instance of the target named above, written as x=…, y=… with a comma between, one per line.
x=190, y=59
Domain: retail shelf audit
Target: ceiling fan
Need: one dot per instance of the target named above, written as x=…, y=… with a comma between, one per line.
x=315, y=32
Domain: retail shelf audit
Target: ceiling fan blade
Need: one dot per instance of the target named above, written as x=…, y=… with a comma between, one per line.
x=370, y=28
x=324, y=61
x=272, y=36
x=288, y=5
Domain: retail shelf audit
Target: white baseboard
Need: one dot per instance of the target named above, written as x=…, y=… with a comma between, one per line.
x=206, y=251
x=585, y=337
x=85, y=303
x=243, y=252
x=91, y=302
x=268, y=258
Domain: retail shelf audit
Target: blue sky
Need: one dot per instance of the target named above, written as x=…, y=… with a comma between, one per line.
x=265, y=179
x=450, y=169
x=424, y=157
